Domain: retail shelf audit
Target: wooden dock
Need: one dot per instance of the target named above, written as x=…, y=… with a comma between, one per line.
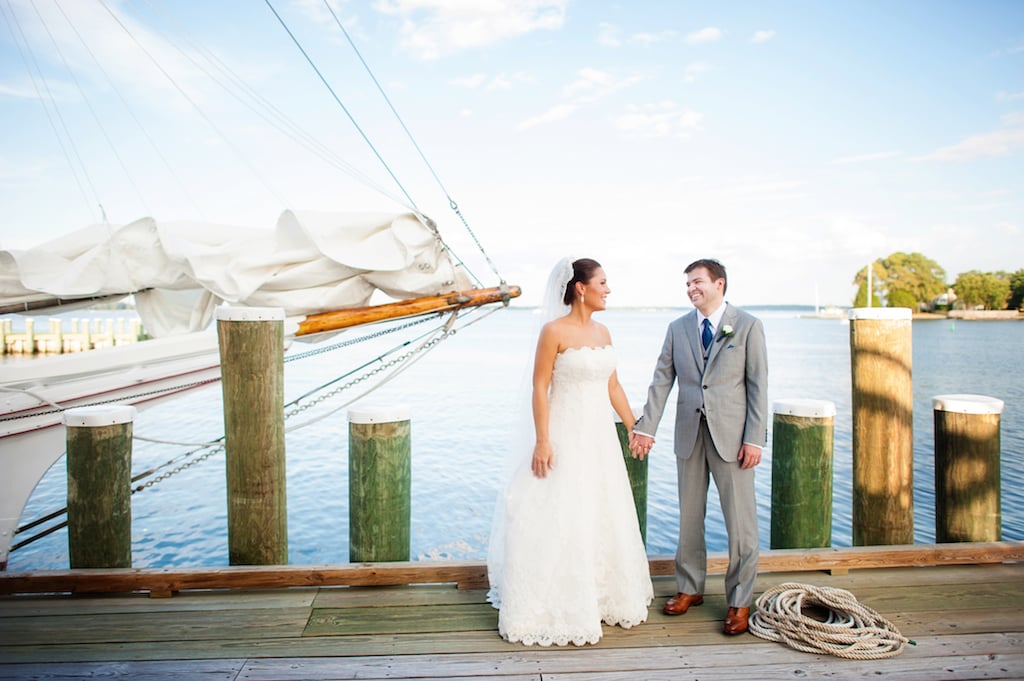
x=966, y=622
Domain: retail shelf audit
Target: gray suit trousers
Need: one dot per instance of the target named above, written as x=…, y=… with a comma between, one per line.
x=736, y=493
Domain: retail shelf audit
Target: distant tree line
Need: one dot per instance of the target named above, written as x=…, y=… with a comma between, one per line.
x=915, y=281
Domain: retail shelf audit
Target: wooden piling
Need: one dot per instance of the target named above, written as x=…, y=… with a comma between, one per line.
x=252, y=379
x=802, y=453
x=99, y=469
x=883, y=410
x=968, y=504
x=379, y=484
x=636, y=469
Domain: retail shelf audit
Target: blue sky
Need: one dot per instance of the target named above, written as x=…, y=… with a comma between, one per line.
x=794, y=141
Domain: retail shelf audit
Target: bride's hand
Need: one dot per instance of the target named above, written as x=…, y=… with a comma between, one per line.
x=543, y=460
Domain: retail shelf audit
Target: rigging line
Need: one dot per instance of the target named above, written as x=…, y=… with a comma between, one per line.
x=283, y=123
x=238, y=153
x=401, y=364
x=362, y=366
x=131, y=113
x=352, y=341
x=11, y=23
x=179, y=443
x=92, y=110
x=451, y=202
x=343, y=108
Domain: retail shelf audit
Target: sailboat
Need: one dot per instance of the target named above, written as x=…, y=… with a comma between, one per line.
x=328, y=271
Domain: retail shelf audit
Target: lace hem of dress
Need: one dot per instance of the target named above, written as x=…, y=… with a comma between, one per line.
x=576, y=638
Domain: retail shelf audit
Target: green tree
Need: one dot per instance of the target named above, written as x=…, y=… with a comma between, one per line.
x=903, y=298
x=903, y=280
x=985, y=289
x=1016, y=290
x=861, y=280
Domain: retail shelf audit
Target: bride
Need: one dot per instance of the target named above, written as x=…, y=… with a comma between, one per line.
x=566, y=552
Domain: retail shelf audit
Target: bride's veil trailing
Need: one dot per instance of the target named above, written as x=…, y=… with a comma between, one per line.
x=520, y=442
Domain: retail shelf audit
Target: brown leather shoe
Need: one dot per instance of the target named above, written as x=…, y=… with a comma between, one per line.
x=681, y=602
x=736, y=621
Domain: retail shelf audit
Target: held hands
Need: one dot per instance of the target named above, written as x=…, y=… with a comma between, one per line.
x=640, y=445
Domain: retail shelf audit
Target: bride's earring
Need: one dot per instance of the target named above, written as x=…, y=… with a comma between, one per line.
x=581, y=299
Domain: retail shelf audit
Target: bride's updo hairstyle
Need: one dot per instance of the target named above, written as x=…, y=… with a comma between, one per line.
x=582, y=271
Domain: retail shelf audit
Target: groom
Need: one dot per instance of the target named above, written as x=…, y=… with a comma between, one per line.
x=717, y=355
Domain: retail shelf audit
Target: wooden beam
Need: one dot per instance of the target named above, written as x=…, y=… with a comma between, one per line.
x=473, y=574
x=342, y=319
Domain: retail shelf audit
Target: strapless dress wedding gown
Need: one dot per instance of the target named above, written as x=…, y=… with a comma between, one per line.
x=566, y=552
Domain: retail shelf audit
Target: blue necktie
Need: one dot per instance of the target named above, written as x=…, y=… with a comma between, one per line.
x=705, y=336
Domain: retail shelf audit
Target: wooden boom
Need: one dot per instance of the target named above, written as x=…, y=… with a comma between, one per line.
x=342, y=319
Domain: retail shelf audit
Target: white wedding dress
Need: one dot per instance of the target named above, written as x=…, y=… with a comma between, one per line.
x=566, y=552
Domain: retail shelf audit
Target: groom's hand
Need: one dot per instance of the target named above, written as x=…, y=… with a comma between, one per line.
x=749, y=456
x=640, y=445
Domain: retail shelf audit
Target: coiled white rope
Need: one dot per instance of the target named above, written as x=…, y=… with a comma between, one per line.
x=850, y=629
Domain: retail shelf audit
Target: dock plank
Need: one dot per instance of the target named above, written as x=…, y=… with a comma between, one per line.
x=402, y=619
x=170, y=670
x=965, y=619
x=153, y=627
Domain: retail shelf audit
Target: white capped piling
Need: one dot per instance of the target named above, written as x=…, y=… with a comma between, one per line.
x=252, y=379
x=379, y=483
x=968, y=505
x=883, y=416
x=636, y=469
x=99, y=469
x=802, y=455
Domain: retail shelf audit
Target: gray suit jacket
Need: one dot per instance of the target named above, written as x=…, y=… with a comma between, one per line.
x=730, y=387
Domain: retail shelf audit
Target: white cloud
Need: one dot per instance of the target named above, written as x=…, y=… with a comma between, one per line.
x=756, y=189
x=594, y=84
x=652, y=38
x=17, y=92
x=693, y=70
x=1009, y=96
x=435, y=28
x=608, y=35
x=762, y=36
x=862, y=158
x=471, y=82
x=1007, y=228
x=501, y=81
x=704, y=35
x=1002, y=142
x=659, y=120
x=591, y=86
x=556, y=113
x=858, y=238
x=316, y=12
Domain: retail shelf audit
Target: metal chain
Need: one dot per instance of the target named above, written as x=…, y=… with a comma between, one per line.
x=177, y=469
x=444, y=332
x=59, y=410
x=369, y=374
x=353, y=341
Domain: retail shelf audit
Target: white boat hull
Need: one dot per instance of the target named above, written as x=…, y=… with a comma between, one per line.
x=35, y=393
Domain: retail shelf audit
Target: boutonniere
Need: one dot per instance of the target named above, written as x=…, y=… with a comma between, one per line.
x=727, y=330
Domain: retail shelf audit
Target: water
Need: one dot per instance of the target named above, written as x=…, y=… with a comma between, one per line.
x=463, y=399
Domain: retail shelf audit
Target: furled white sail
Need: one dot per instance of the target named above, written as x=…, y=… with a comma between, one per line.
x=180, y=271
